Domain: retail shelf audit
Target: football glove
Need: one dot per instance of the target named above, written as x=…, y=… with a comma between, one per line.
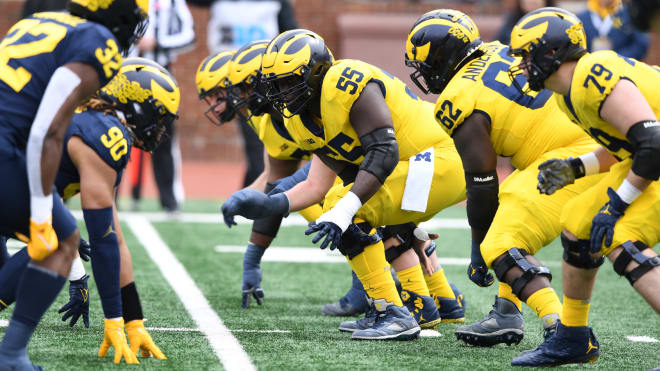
x=331, y=231
x=555, y=174
x=603, y=223
x=113, y=335
x=140, y=339
x=84, y=250
x=252, y=276
x=253, y=205
x=478, y=270
x=78, y=304
x=42, y=241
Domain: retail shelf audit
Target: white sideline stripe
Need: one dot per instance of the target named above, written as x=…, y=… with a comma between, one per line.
x=642, y=339
x=184, y=329
x=224, y=344
x=430, y=334
x=4, y=323
x=293, y=220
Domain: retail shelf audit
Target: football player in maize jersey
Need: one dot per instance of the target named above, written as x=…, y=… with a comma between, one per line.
x=371, y=129
x=49, y=63
x=228, y=81
x=136, y=107
x=495, y=119
x=614, y=99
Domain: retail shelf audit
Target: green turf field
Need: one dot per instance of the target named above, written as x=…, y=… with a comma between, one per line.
x=288, y=332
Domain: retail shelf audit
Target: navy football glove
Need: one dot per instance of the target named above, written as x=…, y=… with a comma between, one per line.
x=286, y=183
x=78, y=304
x=478, y=270
x=331, y=231
x=555, y=174
x=603, y=223
x=252, y=287
x=84, y=250
x=253, y=205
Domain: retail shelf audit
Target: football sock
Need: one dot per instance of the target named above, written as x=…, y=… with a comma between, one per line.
x=105, y=258
x=506, y=292
x=373, y=271
x=356, y=296
x=311, y=213
x=10, y=276
x=130, y=303
x=412, y=279
x=37, y=290
x=575, y=312
x=545, y=301
x=252, y=256
x=438, y=284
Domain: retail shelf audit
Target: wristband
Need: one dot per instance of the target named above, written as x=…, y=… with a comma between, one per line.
x=628, y=192
x=590, y=163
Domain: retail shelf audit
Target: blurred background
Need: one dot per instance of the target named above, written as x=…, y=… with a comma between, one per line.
x=213, y=159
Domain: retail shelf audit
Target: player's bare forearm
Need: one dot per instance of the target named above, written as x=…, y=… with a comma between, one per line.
x=366, y=185
x=312, y=190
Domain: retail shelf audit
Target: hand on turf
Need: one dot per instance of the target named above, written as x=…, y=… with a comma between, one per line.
x=42, y=241
x=604, y=222
x=331, y=231
x=555, y=174
x=84, y=250
x=113, y=335
x=78, y=304
x=140, y=339
x=252, y=287
x=479, y=274
x=253, y=204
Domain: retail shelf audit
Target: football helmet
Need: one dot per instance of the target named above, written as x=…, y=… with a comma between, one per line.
x=148, y=96
x=244, y=80
x=211, y=80
x=438, y=45
x=545, y=38
x=126, y=19
x=293, y=68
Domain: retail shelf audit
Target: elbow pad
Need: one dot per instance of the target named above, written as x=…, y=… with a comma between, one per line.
x=381, y=153
x=482, y=198
x=645, y=138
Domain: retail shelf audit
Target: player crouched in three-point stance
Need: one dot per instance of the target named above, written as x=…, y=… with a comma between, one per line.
x=56, y=60
x=614, y=99
x=365, y=126
x=230, y=82
x=486, y=118
x=135, y=108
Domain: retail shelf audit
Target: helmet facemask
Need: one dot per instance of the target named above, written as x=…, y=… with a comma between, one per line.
x=290, y=92
x=248, y=98
x=149, y=123
x=539, y=61
x=215, y=98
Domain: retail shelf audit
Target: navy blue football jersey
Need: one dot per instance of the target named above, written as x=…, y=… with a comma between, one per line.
x=106, y=135
x=31, y=52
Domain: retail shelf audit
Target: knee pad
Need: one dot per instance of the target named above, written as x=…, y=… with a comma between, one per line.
x=576, y=253
x=356, y=238
x=633, y=251
x=516, y=257
x=268, y=226
x=403, y=233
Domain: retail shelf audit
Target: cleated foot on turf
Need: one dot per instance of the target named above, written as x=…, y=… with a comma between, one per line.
x=422, y=308
x=567, y=345
x=17, y=363
x=451, y=310
x=504, y=324
x=392, y=323
x=363, y=323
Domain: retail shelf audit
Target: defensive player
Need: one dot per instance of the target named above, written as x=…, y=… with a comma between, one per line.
x=135, y=108
x=51, y=62
x=371, y=123
x=612, y=98
x=494, y=119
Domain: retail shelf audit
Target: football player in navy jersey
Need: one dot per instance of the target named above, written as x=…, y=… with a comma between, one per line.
x=49, y=63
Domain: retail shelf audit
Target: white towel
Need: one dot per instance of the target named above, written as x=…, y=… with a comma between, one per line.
x=418, y=182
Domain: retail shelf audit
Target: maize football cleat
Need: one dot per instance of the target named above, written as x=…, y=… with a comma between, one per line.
x=503, y=324
x=363, y=323
x=567, y=345
x=422, y=308
x=451, y=310
x=392, y=323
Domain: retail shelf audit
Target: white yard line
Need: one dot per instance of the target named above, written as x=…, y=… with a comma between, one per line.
x=642, y=339
x=293, y=220
x=224, y=344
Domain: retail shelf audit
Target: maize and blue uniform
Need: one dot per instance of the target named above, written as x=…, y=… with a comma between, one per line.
x=29, y=54
x=529, y=129
x=595, y=76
